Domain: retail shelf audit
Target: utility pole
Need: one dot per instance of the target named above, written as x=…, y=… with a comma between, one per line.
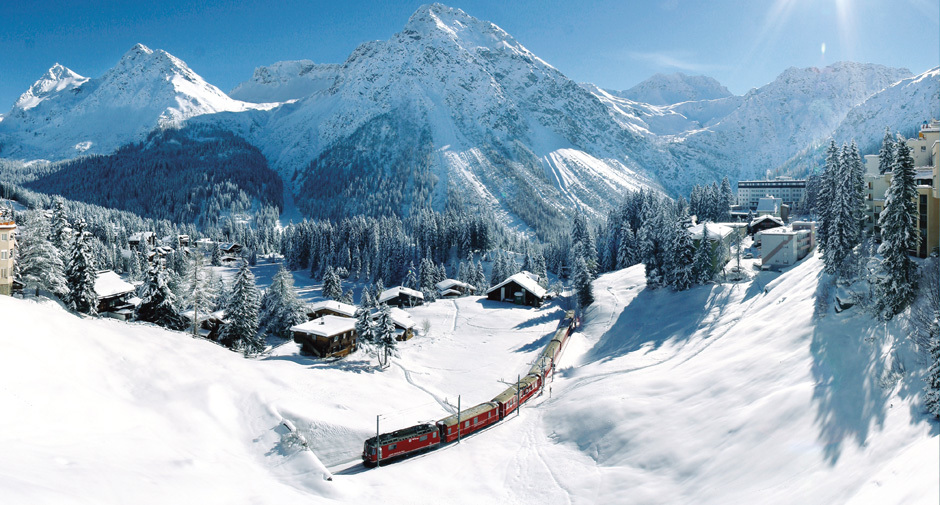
x=378, y=446
x=458, y=419
x=518, y=405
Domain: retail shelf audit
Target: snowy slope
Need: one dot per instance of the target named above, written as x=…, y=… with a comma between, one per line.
x=721, y=394
x=286, y=80
x=63, y=114
x=668, y=89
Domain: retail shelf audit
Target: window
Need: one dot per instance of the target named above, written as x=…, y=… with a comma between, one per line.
x=422, y=439
x=3, y=236
x=3, y=254
x=392, y=447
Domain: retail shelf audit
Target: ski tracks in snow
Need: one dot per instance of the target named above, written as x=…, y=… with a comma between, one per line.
x=446, y=406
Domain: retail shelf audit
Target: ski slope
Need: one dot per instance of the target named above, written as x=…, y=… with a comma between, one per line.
x=731, y=393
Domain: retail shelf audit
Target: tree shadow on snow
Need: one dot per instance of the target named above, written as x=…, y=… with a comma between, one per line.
x=651, y=318
x=548, y=315
x=343, y=364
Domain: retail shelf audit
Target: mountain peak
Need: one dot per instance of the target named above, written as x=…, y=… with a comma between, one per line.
x=57, y=78
x=436, y=19
x=668, y=89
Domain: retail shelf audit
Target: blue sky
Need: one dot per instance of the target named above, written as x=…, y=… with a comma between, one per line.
x=614, y=44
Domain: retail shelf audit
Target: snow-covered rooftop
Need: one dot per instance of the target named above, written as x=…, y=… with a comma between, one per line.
x=768, y=204
x=108, y=283
x=401, y=318
x=343, y=308
x=326, y=326
x=450, y=283
x=523, y=279
x=767, y=217
x=390, y=293
x=715, y=231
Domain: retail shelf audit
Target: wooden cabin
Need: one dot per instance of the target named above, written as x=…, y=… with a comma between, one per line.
x=404, y=324
x=521, y=289
x=114, y=295
x=330, y=308
x=401, y=297
x=452, y=288
x=326, y=336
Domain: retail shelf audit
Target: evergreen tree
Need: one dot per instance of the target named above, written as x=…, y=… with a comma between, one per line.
x=827, y=192
x=385, y=335
x=365, y=334
x=60, y=234
x=40, y=261
x=497, y=275
x=280, y=308
x=702, y=267
x=158, y=303
x=411, y=279
x=198, y=294
x=626, y=247
x=887, y=154
x=216, y=255
x=582, y=282
x=932, y=390
x=365, y=300
x=898, y=235
x=683, y=251
x=332, y=284
x=842, y=229
x=727, y=200
x=240, y=332
x=80, y=274
x=479, y=276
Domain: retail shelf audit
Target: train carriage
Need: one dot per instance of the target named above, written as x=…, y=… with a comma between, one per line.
x=506, y=401
x=473, y=419
x=401, y=442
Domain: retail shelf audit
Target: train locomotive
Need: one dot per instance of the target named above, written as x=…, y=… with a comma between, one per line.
x=387, y=447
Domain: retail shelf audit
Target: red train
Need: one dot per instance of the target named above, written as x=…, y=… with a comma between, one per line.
x=427, y=436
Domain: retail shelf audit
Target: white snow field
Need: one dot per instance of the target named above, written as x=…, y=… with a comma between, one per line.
x=728, y=393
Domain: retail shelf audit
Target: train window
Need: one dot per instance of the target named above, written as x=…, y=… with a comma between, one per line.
x=424, y=438
x=434, y=435
x=392, y=447
x=466, y=424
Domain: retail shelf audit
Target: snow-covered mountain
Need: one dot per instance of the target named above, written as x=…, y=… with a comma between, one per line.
x=455, y=106
x=463, y=105
x=286, y=80
x=64, y=114
x=668, y=89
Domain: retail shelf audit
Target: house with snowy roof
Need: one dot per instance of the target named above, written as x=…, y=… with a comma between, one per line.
x=520, y=288
x=404, y=323
x=719, y=237
x=327, y=336
x=331, y=308
x=114, y=295
x=452, y=288
x=762, y=223
x=139, y=238
x=209, y=325
x=401, y=297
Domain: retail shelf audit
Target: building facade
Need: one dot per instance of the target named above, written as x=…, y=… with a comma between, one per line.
x=7, y=245
x=781, y=247
x=789, y=191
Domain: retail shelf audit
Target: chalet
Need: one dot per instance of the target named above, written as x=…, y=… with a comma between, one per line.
x=231, y=248
x=138, y=238
x=114, y=295
x=401, y=297
x=404, y=324
x=720, y=238
x=210, y=325
x=452, y=288
x=326, y=336
x=521, y=289
x=762, y=223
x=330, y=308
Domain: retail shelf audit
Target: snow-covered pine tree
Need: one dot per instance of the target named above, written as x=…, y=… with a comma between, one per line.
x=366, y=300
x=411, y=278
x=842, y=229
x=727, y=200
x=702, y=269
x=240, y=332
x=158, y=303
x=280, y=308
x=332, y=284
x=828, y=184
x=683, y=251
x=479, y=276
x=581, y=235
x=39, y=259
x=626, y=247
x=582, y=282
x=932, y=390
x=365, y=334
x=856, y=168
x=60, y=234
x=898, y=235
x=216, y=255
x=385, y=335
x=887, y=154
x=80, y=274
x=199, y=296
x=497, y=275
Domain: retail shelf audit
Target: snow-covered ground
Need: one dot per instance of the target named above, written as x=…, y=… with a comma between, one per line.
x=729, y=393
